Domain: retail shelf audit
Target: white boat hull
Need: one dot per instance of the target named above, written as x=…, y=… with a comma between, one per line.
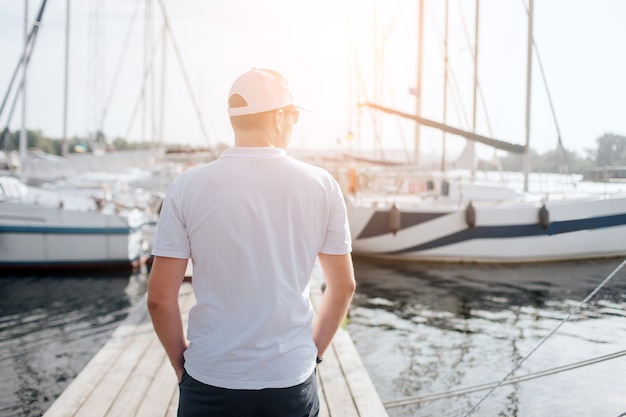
x=33, y=236
x=504, y=231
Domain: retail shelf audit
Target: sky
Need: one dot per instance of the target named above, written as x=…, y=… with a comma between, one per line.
x=335, y=55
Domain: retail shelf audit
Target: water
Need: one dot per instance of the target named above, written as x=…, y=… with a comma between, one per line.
x=420, y=329
x=428, y=329
x=50, y=327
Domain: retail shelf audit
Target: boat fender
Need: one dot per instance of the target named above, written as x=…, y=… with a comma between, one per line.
x=470, y=215
x=544, y=217
x=353, y=180
x=445, y=188
x=394, y=219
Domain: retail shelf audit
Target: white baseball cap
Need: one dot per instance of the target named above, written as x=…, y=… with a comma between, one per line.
x=262, y=90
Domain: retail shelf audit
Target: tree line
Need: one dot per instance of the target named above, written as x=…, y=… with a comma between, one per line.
x=610, y=151
x=35, y=139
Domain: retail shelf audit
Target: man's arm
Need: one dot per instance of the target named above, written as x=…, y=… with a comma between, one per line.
x=340, y=286
x=163, y=286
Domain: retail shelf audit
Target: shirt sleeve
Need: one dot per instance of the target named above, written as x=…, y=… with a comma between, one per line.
x=171, y=238
x=338, y=240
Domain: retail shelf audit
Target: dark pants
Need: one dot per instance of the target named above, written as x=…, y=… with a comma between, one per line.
x=201, y=400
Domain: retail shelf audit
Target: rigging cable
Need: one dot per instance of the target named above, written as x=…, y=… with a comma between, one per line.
x=574, y=311
x=545, y=84
x=107, y=102
x=363, y=89
x=25, y=58
x=455, y=94
x=142, y=91
x=515, y=380
x=483, y=101
x=168, y=28
x=96, y=68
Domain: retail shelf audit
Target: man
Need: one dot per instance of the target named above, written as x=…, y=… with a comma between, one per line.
x=253, y=223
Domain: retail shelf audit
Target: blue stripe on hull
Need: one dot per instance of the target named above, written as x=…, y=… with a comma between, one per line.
x=379, y=223
x=584, y=224
x=515, y=231
x=92, y=265
x=61, y=230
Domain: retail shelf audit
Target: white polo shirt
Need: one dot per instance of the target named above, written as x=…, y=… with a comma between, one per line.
x=253, y=222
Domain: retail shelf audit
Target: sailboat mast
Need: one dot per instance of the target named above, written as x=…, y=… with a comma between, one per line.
x=528, y=91
x=147, y=64
x=418, y=90
x=66, y=81
x=472, y=145
x=163, y=84
x=445, y=85
x=476, y=32
x=23, y=137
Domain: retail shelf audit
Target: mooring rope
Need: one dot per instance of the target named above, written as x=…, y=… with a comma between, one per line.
x=482, y=387
x=574, y=311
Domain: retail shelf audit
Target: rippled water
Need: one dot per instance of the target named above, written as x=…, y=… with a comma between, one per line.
x=420, y=329
x=430, y=329
x=50, y=327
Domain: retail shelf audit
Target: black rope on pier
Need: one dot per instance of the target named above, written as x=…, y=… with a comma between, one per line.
x=574, y=311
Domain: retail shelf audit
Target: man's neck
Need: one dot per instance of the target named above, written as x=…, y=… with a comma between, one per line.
x=256, y=139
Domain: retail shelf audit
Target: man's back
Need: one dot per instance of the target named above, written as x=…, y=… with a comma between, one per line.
x=256, y=220
x=253, y=223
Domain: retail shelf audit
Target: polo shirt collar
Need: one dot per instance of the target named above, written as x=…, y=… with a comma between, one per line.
x=252, y=152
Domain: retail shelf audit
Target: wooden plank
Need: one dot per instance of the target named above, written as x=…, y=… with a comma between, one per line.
x=100, y=400
x=157, y=399
x=344, y=379
x=88, y=379
x=136, y=386
x=363, y=392
x=116, y=380
x=163, y=387
x=173, y=407
x=131, y=375
x=335, y=389
x=324, y=412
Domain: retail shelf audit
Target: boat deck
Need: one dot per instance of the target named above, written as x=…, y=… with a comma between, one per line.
x=131, y=375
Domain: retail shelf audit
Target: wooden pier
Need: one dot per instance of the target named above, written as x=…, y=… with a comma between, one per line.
x=131, y=376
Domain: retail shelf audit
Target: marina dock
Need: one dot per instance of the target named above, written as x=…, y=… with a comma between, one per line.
x=131, y=375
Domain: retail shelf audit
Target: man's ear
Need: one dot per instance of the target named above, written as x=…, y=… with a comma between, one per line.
x=279, y=115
